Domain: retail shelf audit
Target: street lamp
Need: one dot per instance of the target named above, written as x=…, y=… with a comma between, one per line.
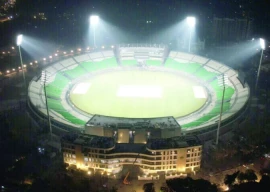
x=222, y=82
x=19, y=42
x=94, y=19
x=191, y=21
x=262, y=44
x=44, y=80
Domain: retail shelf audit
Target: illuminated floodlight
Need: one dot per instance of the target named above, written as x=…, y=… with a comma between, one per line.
x=94, y=19
x=56, y=54
x=44, y=59
x=102, y=47
x=12, y=47
x=24, y=66
x=50, y=56
x=87, y=48
x=19, y=67
x=8, y=71
x=79, y=49
x=64, y=52
x=112, y=46
x=19, y=39
x=13, y=69
x=71, y=51
x=36, y=61
x=31, y=63
x=8, y=52
x=4, y=52
x=191, y=21
x=262, y=43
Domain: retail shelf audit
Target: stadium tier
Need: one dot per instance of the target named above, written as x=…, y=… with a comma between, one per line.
x=73, y=76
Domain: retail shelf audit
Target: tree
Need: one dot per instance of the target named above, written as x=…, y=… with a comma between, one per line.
x=6, y=4
x=250, y=175
x=230, y=179
x=113, y=189
x=188, y=184
x=241, y=177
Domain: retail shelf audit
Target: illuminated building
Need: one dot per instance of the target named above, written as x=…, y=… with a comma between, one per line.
x=91, y=153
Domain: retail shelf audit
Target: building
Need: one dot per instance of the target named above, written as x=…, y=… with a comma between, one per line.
x=103, y=154
x=133, y=130
x=226, y=30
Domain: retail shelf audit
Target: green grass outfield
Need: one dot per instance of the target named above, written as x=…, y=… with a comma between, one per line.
x=101, y=98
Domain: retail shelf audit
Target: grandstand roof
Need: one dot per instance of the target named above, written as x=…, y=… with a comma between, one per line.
x=120, y=122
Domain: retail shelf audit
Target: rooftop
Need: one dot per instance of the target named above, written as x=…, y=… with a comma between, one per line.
x=174, y=142
x=136, y=123
x=89, y=140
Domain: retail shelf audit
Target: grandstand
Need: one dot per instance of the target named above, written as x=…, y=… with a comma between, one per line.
x=66, y=73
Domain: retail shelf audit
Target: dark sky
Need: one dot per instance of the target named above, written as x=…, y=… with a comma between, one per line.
x=131, y=15
x=126, y=11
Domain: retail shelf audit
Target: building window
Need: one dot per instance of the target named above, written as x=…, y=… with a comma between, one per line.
x=188, y=150
x=188, y=155
x=187, y=165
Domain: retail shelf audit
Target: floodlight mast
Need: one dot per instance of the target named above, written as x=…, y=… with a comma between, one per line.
x=19, y=42
x=94, y=19
x=222, y=81
x=191, y=23
x=44, y=80
x=262, y=44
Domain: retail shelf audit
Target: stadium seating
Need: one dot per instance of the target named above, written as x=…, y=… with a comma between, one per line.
x=65, y=71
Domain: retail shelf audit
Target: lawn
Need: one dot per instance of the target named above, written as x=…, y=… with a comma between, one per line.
x=138, y=94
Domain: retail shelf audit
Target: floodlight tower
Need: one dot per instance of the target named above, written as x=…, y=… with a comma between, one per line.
x=191, y=21
x=262, y=44
x=44, y=79
x=19, y=42
x=222, y=82
x=94, y=19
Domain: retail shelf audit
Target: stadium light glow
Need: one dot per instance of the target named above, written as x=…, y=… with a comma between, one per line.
x=94, y=19
x=262, y=43
x=19, y=42
x=19, y=39
x=191, y=21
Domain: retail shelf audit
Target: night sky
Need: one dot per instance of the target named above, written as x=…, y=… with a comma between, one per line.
x=131, y=15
